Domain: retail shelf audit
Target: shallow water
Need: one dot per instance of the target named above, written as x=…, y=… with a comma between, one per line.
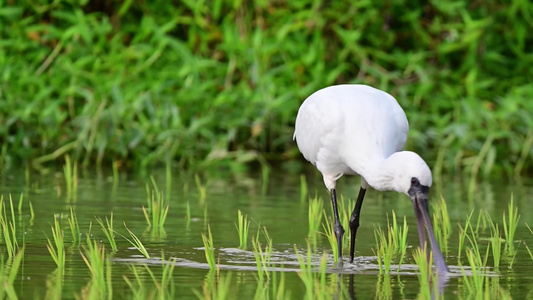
x=276, y=206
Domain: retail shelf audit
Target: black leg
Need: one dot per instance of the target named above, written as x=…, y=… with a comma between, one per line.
x=354, y=221
x=351, y=288
x=339, y=231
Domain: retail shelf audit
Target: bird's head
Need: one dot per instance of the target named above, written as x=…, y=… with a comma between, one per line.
x=411, y=173
x=412, y=177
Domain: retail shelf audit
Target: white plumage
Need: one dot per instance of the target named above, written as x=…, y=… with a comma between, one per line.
x=360, y=130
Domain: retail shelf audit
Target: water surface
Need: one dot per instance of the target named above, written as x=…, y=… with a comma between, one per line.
x=277, y=206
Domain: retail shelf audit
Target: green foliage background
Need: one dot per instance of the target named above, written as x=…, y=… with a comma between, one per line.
x=203, y=82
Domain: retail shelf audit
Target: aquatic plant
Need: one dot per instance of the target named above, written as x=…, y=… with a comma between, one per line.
x=108, y=231
x=21, y=201
x=425, y=275
x=463, y=232
x=164, y=285
x=55, y=284
x=9, y=231
x=346, y=205
x=70, y=171
x=441, y=224
x=100, y=286
x=495, y=241
x=216, y=289
x=262, y=257
x=74, y=226
x=32, y=213
x=202, y=191
x=188, y=214
x=383, y=287
x=509, y=227
x=279, y=290
x=116, y=176
x=303, y=188
x=315, y=216
x=137, y=286
x=243, y=226
x=209, y=249
x=399, y=237
x=8, y=273
x=528, y=250
x=384, y=250
x=314, y=278
x=474, y=282
x=157, y=211
x=57, y=248
x=330, y=235
x=136, y=242
x=391, y=245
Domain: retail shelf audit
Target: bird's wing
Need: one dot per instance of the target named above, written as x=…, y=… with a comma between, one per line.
x=317, y=129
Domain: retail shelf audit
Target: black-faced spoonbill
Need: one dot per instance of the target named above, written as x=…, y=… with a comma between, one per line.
x=359, y=130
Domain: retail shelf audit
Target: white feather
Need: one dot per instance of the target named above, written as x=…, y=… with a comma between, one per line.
x=356, y=129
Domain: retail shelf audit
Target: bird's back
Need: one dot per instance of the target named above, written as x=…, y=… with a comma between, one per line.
x=355, y=122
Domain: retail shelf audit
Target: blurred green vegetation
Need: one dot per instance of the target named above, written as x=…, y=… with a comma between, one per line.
x=209, y=82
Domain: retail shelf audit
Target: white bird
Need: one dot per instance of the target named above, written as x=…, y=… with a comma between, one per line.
x=356, y=129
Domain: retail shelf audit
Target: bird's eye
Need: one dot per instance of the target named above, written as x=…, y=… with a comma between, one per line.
x=414, y=181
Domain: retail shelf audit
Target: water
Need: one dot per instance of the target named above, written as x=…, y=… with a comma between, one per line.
x=276, y=206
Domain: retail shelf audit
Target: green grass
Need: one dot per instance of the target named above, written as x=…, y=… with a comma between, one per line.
x=136, y=286
x=209, y=249
x=391, y=244
x=202, y=190
x=243, y=227
x=32, y=213
x=116, y=176
x=70, y=171
x=475, y=281
x=316, y=209
x=107, y=229
x=157, y=211
x=100, y=285
x=441, y=224
x=495, y=242
x=188, y=215
x=315, y=278
x=330, y=235
x=528, y=250
x=9, y=230
x=304, y=190
x=384, y=250
x=8, y=274
x=56, y=246
x=262, y=256
x=74, y=226
x=136, y=242
x=131, y=84
x=345, y=206
x=463, y=232
x=164, y=287
x=217, y=289
x=425, y=275
x=509, y=227
x=399, y=237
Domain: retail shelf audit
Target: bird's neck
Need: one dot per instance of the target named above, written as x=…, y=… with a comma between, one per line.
x=380, y=173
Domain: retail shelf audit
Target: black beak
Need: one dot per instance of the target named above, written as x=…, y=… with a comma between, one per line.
x=419, y=197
